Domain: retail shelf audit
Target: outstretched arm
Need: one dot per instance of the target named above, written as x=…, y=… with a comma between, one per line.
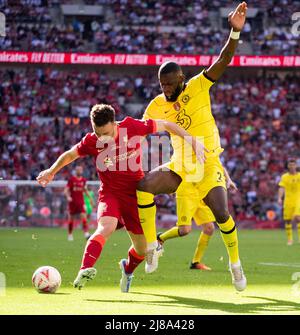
x=64, y=159
x=173, y=128
x=236, y=20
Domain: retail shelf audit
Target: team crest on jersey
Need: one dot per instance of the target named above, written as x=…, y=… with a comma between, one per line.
x=185, y=99
x=177, y=106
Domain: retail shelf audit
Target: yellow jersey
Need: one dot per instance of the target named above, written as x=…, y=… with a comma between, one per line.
x=191, y=111
x=291, y=185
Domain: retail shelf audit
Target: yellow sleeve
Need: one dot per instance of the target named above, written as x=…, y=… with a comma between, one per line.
x=282, y=182
x=151, y=111
x=201, y=80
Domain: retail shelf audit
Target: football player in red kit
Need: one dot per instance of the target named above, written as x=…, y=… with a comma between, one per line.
x=74, y=191
x=116, y=149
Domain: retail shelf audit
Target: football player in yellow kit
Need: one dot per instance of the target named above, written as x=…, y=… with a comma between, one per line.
x=289, y=188
x=188, y=104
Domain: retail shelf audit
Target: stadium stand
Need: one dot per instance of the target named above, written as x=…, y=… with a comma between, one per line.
x=144, y=27
x=258, y=116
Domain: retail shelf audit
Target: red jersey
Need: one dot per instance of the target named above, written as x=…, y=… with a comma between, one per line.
x=118, y=161
x=76, y=186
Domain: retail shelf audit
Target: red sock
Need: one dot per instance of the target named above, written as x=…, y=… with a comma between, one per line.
x=134, y=259
x=85, y=225
x=70, y=227
x=92, y=251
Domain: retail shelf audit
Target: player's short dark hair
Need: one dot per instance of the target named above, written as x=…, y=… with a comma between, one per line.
x=102, y=114
x=168, y=67
x=291, y=160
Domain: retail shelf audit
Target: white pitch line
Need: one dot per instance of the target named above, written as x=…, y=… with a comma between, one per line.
x=289, y=265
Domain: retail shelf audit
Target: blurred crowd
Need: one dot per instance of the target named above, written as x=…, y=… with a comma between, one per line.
x=46, y=111
x=136, y=26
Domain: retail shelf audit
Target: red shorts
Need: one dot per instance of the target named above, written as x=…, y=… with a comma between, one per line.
x=124, y=208
x=75, y=208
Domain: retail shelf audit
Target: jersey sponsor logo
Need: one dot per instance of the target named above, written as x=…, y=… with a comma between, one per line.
x=183, y=120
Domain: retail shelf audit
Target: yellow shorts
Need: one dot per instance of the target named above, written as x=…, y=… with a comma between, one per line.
x=290, y=211
x=210, y=175
x=190, y=195
x=192, y=207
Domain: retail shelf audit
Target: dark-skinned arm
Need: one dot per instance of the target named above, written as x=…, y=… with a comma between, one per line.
x=236, y=20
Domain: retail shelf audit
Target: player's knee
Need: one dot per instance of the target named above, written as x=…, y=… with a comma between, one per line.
x=222, y=215
x=184, y=230
x=209, y=229
x=104, y=230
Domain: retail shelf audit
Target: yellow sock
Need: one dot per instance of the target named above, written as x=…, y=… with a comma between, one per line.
x=298, y=227
x=229, y=235
x=147, y=214
x=201, y=247
x=171, y=233
x=289, y=231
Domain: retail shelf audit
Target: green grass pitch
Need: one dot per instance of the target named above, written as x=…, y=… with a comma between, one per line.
x=272, y=269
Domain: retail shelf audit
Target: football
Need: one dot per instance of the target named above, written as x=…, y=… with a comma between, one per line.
x=46, y=279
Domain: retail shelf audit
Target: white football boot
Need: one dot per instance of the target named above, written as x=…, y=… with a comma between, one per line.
x=83, y=277
x=238, y=277
x=152, y=257
x=126, y=279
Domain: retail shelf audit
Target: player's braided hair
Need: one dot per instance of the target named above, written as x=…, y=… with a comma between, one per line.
x=102, y=114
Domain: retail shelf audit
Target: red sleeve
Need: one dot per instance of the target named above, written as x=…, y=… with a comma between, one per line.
x=70, y=183
x=85, y=146
x=144, y=127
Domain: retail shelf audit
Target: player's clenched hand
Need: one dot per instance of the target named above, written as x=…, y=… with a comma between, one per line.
x=199, y=150
x=45, y=177
x=237, y=18
x=231, y=185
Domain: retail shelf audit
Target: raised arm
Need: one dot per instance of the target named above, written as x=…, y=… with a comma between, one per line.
x=173, y=128
x=64, y=159
x=236, y=20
